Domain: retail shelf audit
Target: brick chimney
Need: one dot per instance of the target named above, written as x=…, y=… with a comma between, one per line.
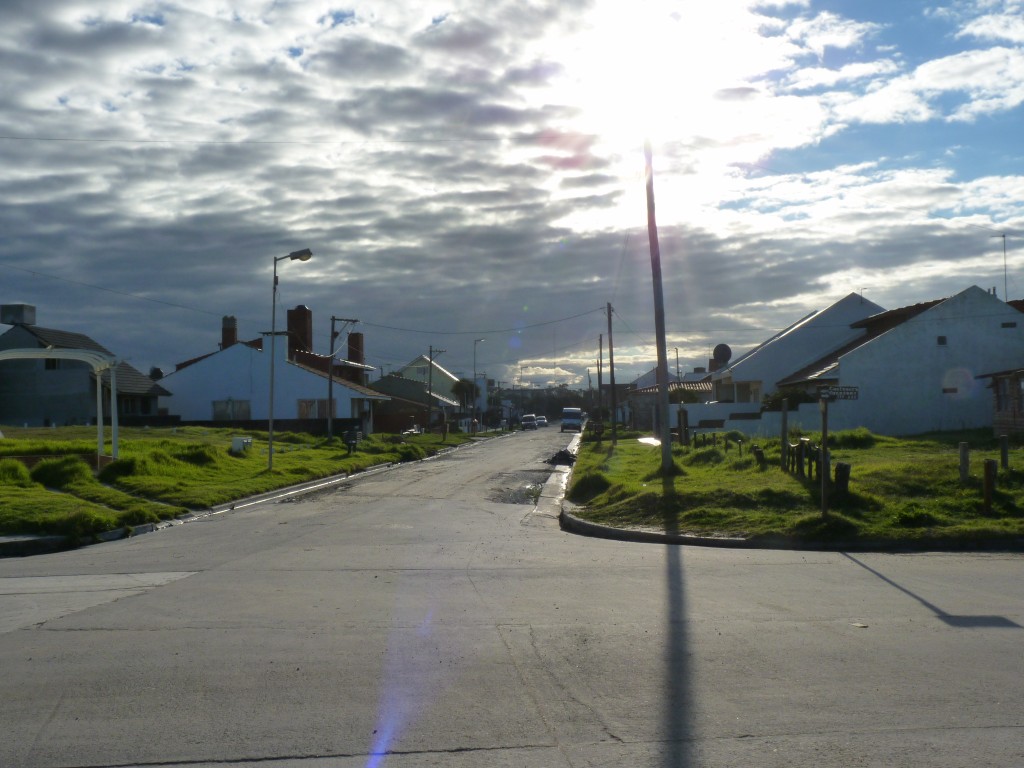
x=355, y=348
x=300, y=330
x=228, y=331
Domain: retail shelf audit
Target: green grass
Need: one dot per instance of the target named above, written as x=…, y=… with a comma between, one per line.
x=902, y=491
x=163, y=473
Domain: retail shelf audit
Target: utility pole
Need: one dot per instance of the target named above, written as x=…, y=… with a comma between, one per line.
x=678, y=376
x=611, y=376
x=659, y=318
x=600, y=364
x=330, y=374
x=430, y=386
x=1006, y=295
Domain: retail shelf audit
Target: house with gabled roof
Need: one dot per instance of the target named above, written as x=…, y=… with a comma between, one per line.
x=755, y=374
x=59, y=392
x=910, y=370
x=232, y=383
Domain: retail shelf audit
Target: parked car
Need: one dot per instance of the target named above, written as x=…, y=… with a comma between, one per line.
x=529, y=421
x=542, y=421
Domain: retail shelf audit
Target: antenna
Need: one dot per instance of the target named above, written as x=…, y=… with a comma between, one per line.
x=1006, y=295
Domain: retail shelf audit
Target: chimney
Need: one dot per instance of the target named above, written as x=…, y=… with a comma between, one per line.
x=355, y=348
x=228, y=331
x=300, y=330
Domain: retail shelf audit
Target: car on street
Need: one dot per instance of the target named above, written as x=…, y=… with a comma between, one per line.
x=529, y=421
x=542, y=421
x=573, y=418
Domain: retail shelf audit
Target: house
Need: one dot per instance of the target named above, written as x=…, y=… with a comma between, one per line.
x=58, y=392
x=754, y=374
x=910, y=370
x=232, y=384
x=437, y=379
x=409, y=405
x=921, y=374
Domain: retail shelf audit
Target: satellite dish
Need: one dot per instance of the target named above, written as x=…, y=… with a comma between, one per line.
x=722, y=354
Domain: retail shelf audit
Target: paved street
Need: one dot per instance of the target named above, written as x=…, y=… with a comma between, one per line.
x=427, y=616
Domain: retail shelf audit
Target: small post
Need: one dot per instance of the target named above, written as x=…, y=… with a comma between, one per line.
x=965, y=463
x=990, y=482
x=823, y=472
x=842, y=486
x=784, y=437
x=1004, y=452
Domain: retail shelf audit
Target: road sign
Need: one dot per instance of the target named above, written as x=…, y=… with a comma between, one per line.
x=838, y=393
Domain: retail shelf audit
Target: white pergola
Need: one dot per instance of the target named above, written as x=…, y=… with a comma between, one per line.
x=100, y=362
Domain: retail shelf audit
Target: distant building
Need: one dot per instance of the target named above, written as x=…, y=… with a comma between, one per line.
x=232, y=384
x=57, y=392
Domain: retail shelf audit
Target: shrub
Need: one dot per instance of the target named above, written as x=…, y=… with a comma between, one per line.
x=588, y=486
x=13, y=472
x=200, y=455
x=60, y=473
x=852, y=438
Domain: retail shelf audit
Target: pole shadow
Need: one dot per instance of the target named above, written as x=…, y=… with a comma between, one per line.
x=962, y=622
x=678, y=720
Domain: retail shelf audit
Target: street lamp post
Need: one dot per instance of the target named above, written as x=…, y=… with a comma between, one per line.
x=475, y=395
x=304, y=255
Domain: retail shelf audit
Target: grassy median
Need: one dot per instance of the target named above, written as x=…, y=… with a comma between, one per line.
x=901, y=491
x=163, y=473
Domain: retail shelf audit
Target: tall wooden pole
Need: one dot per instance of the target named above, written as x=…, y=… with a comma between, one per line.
x=611, y=376
x=659, y=318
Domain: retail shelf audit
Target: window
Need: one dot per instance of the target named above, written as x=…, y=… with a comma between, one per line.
x=941, y=341
x=231, y=410
x=314, y=409
x=1009, y=325
x=949, y=390
x=52, y=364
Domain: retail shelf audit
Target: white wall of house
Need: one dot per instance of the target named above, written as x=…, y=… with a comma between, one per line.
x=911, y=383
x=908, y=383
x=755, y=374
x=242, y=374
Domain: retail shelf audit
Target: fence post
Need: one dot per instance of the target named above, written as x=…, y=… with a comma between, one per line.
x=965, y=463
x=990, y=482
x=784, y=437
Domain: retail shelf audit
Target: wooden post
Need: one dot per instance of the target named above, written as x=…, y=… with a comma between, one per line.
x=823, y=469
x=784, y=437
x=965, y=463
x=990, y=482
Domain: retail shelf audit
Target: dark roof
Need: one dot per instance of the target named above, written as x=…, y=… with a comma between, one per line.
x=359, y=389
x=129, y=380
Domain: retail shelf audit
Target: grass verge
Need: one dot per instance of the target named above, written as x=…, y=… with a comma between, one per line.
x=903, y=492
x=163, y=473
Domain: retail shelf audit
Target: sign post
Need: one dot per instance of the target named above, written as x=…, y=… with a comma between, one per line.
x=825, y=396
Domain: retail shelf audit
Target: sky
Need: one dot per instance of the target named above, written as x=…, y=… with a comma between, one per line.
x=475, y=170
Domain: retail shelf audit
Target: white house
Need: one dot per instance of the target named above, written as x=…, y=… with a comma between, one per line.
x=913, y=370
x=756, y=373
x=920, y=376
x=233, y=383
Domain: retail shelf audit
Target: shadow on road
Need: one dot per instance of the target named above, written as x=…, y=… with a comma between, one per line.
x=964, y=622
x=678, y=716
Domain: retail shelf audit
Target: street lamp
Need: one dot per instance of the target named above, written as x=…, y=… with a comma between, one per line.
x=304, y=255
x=475, y=396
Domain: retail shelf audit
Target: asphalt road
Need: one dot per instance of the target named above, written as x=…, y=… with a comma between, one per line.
x=432, y=616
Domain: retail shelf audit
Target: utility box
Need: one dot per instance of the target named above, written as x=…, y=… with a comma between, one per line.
x=240, y=445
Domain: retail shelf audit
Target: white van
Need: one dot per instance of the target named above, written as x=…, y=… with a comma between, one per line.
x=572, y=418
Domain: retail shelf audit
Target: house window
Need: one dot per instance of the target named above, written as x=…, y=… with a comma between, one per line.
x=949, y=390
x=314, y=409
x=231, y=410
x=52, y=364
x=1002, y=390
x=1009, y=325
x=941, y=341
